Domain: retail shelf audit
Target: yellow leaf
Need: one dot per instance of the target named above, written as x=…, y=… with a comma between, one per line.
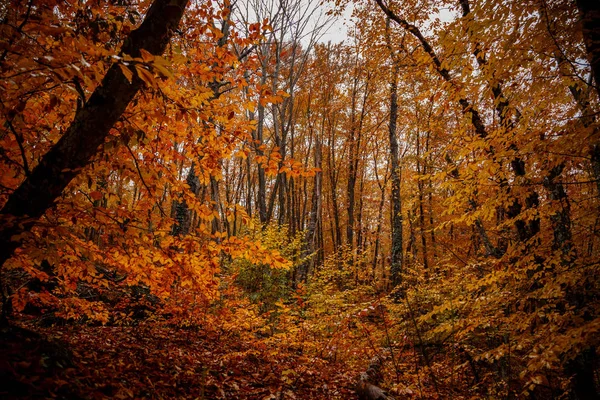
x=162, y=70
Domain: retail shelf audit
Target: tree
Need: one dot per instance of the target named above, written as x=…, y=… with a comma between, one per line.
x=397, y=249
x=589, y=14
x=89, y=128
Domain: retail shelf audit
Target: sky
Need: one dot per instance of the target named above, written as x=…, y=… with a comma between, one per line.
x=339, y=28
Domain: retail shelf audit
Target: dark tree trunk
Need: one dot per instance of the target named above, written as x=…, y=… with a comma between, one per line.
x=589, y=14
x=359, y=215
x=420, y=173
x=382, y=189
x=561, y=220
x=350, y=188
x=333, y=181
x=261, y=195
x=179, y=209
x=430, y=200
x=249, y=188
x=582, y=369
x=215, y=197
x=396, y=250
x=312, y=231
x=355, y=147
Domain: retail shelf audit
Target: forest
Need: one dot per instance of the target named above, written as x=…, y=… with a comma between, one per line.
x=212, y=199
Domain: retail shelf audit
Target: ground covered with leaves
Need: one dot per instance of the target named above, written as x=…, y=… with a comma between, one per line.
x=145, y=361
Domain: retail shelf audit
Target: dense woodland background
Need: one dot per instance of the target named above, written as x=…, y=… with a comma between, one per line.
x=203, y=199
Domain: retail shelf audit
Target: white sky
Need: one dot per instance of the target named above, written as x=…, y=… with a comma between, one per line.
x=338, y=31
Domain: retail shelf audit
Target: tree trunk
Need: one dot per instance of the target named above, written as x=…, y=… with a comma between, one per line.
x=430, y=204
x=420, y=173
x=261, y=195
x=351, y=184
x=359, y=215
x=333, y=180
x=396, y=250
x=312, y=240
x=217, y=206
x=179, y=209
x=249, y=188
x=589, y=14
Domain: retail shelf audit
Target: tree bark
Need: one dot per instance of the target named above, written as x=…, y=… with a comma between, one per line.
x=396, y=250
x=88, y=130
x=312, y=239
x=351, y=183
x=430, y=200
x=333, y=183
x=589, y=14
x=420, y=173
x=257, y=136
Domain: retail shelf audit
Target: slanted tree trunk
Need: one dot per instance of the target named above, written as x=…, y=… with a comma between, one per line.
x=88, y=130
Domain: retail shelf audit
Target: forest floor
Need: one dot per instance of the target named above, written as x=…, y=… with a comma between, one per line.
x=147, y=361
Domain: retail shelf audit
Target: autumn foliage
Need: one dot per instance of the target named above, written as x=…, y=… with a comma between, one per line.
x=203, y=199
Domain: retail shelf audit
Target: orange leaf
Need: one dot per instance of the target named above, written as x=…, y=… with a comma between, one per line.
x=146, y=56
x=145, y=75
x=127, y=72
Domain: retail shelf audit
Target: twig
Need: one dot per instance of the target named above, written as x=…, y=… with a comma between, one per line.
x=137, y=166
